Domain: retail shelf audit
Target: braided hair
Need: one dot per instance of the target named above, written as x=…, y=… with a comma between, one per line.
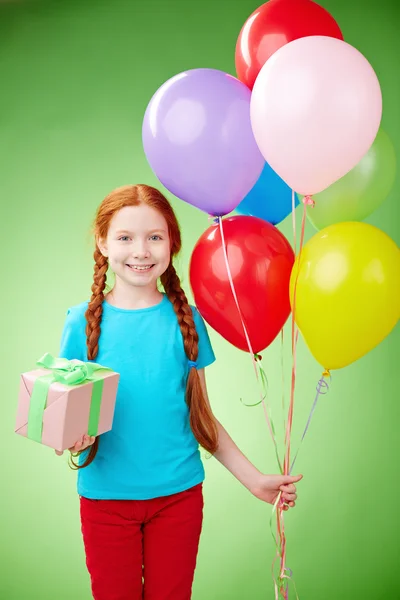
x=202, y=421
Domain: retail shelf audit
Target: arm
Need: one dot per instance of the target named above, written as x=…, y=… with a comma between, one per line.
x=231, y=457
x=265, y=487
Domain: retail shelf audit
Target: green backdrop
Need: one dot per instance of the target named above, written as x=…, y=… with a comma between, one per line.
x=76, y=76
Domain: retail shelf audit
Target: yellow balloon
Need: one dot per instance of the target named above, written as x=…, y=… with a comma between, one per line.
x=347, y=297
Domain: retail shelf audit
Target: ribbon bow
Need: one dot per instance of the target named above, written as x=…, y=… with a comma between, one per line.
x=68, y=372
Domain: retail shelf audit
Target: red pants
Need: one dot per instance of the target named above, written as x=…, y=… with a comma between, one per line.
x=143, y=549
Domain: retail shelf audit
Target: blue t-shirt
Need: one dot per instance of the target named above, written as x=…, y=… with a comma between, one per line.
x=151, y=450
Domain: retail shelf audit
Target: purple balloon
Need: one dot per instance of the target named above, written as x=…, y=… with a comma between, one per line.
x=198, y=139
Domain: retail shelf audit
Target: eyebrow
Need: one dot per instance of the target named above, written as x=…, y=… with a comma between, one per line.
x=148, y=232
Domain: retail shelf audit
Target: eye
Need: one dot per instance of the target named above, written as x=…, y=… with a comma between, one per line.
x=123, y=238
x=155, y=238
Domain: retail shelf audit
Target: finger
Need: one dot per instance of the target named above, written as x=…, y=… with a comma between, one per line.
x=289, y=480
x=290, y=489
x=87, y=441
x=293, y=479
x=290, y=497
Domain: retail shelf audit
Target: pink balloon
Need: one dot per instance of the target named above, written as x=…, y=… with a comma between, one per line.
x=316, y=108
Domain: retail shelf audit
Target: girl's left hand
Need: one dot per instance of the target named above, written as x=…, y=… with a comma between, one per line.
x=267, y=488
x=84, y=442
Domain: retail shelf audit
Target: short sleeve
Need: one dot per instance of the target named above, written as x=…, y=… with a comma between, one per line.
x=206, y=354
x=73, y=337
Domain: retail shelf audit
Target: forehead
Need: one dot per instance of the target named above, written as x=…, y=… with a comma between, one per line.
x=138, y=218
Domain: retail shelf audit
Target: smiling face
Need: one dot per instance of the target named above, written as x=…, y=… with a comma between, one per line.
x=137, y=245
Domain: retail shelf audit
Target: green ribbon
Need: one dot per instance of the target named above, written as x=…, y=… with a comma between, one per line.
x=68, y=372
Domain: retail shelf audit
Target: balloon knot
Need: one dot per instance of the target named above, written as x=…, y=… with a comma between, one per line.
x=326, y=373
x=309, y=201
x=214, y=219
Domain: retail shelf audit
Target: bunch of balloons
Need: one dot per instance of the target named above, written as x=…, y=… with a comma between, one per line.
x=302, y=118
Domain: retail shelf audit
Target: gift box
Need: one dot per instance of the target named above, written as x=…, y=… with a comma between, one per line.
x=64, y=399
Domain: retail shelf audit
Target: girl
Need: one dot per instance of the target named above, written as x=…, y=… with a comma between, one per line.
x=140, y=485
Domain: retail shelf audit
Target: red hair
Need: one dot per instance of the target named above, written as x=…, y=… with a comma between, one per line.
x=202, y=420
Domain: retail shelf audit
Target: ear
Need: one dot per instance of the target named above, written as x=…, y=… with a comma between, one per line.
x=102, y=246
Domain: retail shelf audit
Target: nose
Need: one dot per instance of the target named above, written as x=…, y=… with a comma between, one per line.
x=140, y=250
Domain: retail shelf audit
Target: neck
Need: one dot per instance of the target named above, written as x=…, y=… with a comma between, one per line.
x=131, y=297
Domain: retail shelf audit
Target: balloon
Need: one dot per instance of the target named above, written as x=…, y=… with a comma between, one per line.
x=275, y=24
x=270, y=198
x=361, y=191
x=348, y=292
x=314, y=137
x=260, y=260
x=198, y=139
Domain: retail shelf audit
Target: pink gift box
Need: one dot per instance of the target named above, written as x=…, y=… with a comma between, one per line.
x=66, y=416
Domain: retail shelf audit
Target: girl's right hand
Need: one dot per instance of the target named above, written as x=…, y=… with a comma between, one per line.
x=82, y=444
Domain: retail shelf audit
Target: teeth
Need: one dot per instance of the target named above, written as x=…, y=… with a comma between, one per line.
x=140, y=268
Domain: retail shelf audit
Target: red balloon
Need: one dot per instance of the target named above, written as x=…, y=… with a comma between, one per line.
x=261, y=261
x=275, y=24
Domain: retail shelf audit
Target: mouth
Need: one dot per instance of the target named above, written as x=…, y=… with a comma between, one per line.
x=140, y=268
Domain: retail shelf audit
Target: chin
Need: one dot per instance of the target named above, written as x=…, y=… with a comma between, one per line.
x=136, y=282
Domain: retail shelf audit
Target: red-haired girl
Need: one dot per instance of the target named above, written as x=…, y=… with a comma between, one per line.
x=140, y=484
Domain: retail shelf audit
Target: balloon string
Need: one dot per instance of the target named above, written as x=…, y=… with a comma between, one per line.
x=295, y=336
x=283, y=379
x=322, y=389
x=294, y=221
x=283, y=590
x=252, y=354
x=281, y=584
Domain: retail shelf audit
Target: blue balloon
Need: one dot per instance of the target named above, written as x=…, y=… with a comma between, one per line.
x=270, y=198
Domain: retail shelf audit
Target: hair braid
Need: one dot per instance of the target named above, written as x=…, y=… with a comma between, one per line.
x=202, y=420
x=93, y=316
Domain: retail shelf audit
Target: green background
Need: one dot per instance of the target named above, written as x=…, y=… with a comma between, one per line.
x=76, y=77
